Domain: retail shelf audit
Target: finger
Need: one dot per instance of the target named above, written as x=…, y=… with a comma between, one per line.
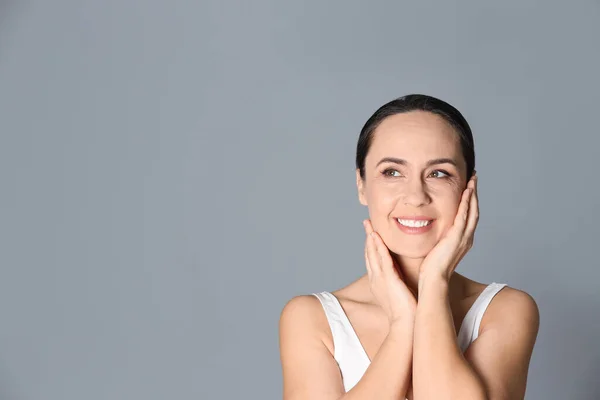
x=387, y=264
x=374, y=262
x=463, y=210
x=473, y=213
x=370, y=251
x=371, y=247
x=370, y=270
x=368, y=226
x=397, y=268
x=367, y=260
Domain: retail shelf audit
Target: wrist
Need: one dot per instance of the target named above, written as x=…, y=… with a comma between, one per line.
x=431, y=275
x=403, y=323
x=431, y=278
x=403, y=332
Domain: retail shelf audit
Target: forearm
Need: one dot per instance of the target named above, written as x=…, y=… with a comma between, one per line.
x=439, y=370
x=389, y=374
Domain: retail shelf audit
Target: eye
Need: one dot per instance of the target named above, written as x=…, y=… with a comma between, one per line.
x=387, y=172
x=440, y=171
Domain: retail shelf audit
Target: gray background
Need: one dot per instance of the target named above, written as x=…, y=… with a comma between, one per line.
x=172, y=172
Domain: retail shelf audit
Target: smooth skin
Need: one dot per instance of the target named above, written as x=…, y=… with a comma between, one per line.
x=408, y=307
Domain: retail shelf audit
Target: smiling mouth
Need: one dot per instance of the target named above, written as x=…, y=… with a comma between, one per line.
x=414, y=226
x=414, y=223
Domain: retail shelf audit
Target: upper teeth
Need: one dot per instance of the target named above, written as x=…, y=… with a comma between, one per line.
x=414, y=223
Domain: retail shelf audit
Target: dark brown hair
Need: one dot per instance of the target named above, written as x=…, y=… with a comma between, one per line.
x=420, y=102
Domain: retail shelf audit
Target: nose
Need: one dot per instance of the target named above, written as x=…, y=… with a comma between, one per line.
x=416, y=193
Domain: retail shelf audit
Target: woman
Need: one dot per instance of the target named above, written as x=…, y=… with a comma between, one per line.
x=407, y=327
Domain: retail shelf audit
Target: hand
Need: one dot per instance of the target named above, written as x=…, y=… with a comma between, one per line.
x=386, y=280
x=450, y=250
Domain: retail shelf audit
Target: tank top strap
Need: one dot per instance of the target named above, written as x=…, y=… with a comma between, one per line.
x=469, y=330
x=345, y=339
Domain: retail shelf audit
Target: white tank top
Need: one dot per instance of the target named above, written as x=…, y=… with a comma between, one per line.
x=349, y=353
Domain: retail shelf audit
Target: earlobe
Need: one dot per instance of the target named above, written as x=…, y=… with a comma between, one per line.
x=360, y=185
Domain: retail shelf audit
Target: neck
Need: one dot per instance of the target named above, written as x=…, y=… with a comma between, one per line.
x=409, y=269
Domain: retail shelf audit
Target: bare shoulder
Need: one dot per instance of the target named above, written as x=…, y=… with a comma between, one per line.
x=303, y=323
x=502, y=352
x=512, y=306
x=308, y=366
x=303, y=311
x=509, y=307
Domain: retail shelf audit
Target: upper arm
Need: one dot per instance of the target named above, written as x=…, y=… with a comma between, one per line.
x=501, y=353
x=309, y=369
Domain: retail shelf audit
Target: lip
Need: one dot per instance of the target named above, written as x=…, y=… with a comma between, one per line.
x=415, y=230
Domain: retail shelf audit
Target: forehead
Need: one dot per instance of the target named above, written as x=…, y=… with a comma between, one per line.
x=416, y=136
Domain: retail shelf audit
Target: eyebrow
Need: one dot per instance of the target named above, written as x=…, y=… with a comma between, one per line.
x=429, y=163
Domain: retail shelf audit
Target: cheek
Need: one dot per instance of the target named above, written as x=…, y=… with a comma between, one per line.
x=381, y=196
x=447, y=188
x=447, y=210
x=446, y=199
x=381, y=202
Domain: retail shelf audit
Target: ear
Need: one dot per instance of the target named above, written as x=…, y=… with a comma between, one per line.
x=360, y=185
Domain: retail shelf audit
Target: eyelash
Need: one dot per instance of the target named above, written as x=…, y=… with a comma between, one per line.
x=385, y=173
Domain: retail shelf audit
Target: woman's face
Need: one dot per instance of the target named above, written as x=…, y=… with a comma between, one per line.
x=425, y=177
